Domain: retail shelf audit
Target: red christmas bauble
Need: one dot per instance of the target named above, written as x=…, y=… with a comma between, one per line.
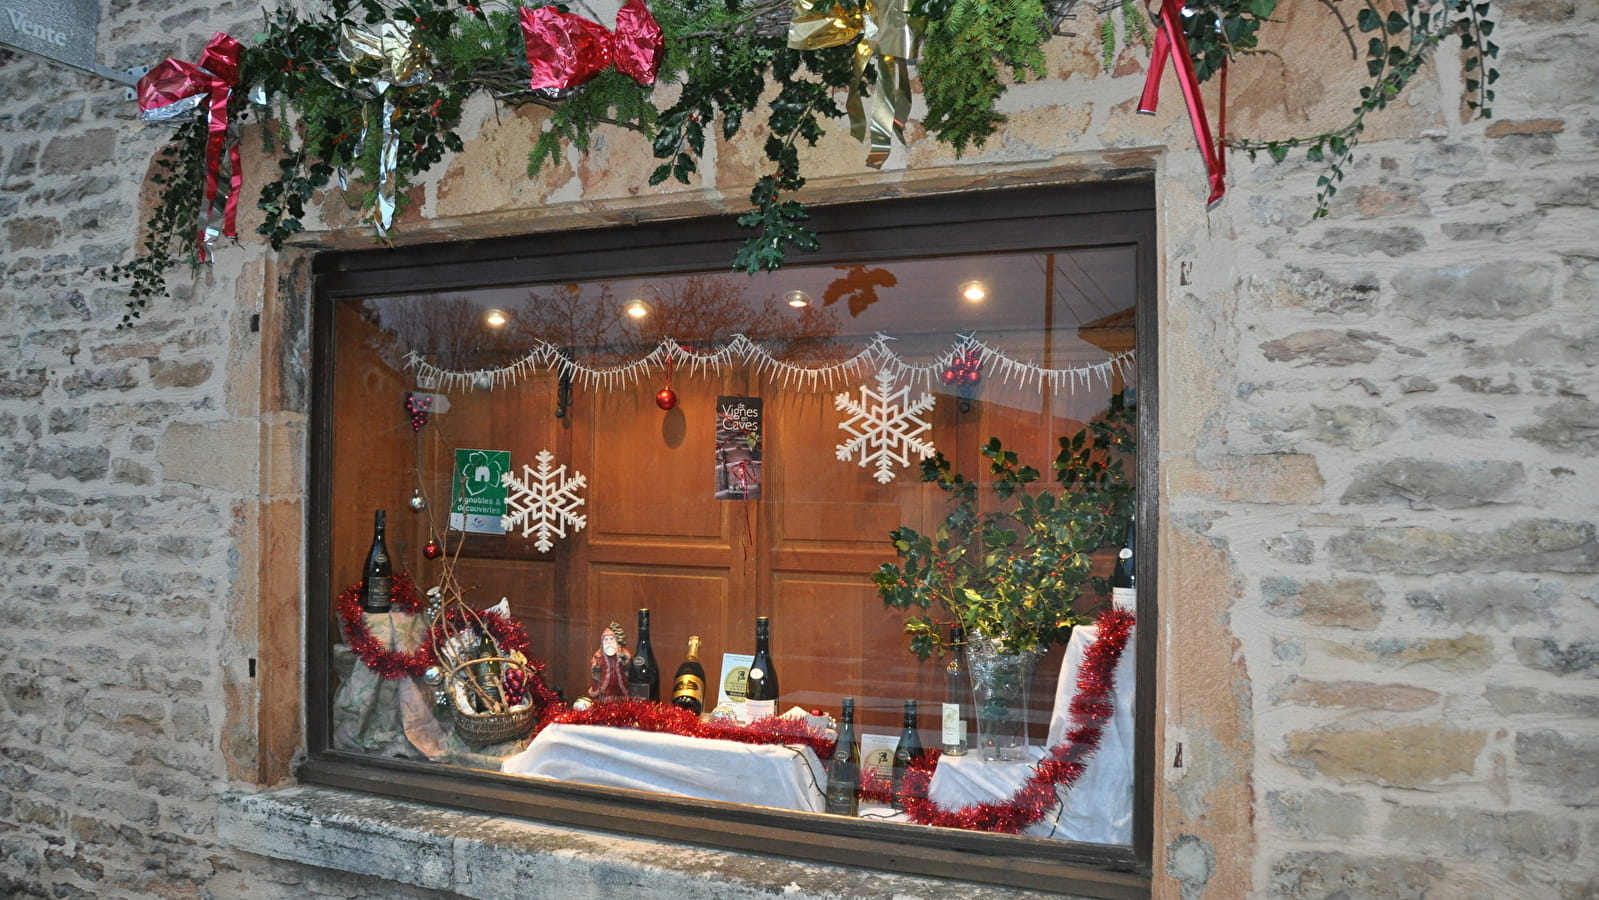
x=666, y=398
x=432, y=550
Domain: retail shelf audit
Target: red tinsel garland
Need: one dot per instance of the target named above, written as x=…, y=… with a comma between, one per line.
x=662, y=718
x=380, y=659
x=1091, y=708
x=508, y=634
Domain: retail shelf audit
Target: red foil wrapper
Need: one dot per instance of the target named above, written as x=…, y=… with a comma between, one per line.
x=565, y=50
x=173, y=88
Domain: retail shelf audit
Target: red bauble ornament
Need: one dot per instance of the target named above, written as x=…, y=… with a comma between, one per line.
x=432, y=550
x=666, y=398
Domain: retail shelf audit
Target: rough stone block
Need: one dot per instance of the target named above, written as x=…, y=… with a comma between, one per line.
x=1562, y=763
x=1492, y=289
x=1547, y=655
x=1351, y=603
x=1472, y=602
x=1262, y=478
x=1457, y=421
x=1401, y=756
x=1542, y=347
x=1479, y=834
x=1430, y=484
x=1570, y=425
x=166, y=373
x=222, y=455
x=1324, y=875
x=1512, y=701
x=74, y=153
x=1321, y=347
x=1359, y=695
x=1355, y=427
x=1529, y=545
x=1294, y=547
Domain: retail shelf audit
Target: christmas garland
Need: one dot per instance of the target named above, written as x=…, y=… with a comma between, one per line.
x=661, y=718
x=1091, y=708
x=509, y=635
x=375, y=89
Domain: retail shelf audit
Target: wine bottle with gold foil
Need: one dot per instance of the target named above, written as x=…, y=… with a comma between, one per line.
x=688, y=686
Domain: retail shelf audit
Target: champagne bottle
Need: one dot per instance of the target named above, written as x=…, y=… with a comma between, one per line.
x=908, y=748
x=643, y=675
x=760, y=691
x=378, y=572
x=842, y=796
x=952, y=731
x=688, y=686
x=1123, y=593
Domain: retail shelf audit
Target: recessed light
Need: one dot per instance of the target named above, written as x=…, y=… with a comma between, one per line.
x=496, y=318
x=974, y=291
x=636, y=309
x=797, y=299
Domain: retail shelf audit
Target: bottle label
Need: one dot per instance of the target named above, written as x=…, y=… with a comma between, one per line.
x=757, y=673
x=1124, y=598
x=688, y=686
x=638, y=691
x=377, y=591
x=950, y=732
x=759, y=709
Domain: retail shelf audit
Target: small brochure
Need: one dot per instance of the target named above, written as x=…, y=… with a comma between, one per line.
x=735, y=673
x=877, y=753
x=738, y=448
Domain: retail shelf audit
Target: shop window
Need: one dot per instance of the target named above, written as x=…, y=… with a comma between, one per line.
x=583, y=425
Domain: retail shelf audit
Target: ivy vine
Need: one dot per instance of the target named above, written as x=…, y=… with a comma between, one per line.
x=734, y=70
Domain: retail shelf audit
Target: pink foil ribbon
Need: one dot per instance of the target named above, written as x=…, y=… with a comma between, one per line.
x=1170, y=37
x=566, y=50
x=175, y=87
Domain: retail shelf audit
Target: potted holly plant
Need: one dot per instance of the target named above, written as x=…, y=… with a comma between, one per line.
x=1013, y=571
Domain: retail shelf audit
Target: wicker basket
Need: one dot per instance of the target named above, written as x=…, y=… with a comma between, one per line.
x=481, y=729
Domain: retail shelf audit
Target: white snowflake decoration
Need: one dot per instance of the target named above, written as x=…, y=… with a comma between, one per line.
x=543, y=502
x=882, y=429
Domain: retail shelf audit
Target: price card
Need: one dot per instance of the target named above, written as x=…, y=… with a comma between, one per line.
x=877, y=752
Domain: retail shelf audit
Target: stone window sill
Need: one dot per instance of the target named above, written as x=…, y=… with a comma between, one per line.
x=486, y=857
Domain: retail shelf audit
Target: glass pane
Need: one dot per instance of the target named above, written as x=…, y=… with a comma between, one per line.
x=716, y=448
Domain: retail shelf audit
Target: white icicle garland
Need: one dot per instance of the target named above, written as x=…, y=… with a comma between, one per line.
x=875, y=356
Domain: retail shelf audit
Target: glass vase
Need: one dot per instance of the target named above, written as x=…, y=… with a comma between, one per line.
x=1001, y=683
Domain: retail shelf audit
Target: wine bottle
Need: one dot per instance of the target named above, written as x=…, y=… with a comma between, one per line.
x=487, y=673
x=643, y=675
x=842, y=796
x=688, y=686
x=378, y=572
x=760, y=691
x=1123, y=593
x=952, y=731
x=908, y=748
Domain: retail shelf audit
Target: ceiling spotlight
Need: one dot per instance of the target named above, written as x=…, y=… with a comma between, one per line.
x=797, y=299
x=496, y=318
x=636, y=309
x=974, y=291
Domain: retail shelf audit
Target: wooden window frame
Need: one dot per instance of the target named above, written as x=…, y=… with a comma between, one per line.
x=1008, y=220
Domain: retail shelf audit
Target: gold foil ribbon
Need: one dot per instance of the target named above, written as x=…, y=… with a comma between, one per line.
x=887, y=36
x=380, y=59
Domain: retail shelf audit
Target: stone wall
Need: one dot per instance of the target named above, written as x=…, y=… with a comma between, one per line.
x=1379, y=440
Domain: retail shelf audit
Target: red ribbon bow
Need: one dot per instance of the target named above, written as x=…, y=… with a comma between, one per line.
x=1170, y=37
x=566, y=50
x=173, y=81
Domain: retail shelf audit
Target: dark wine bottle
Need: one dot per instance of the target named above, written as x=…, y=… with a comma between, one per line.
x=487, y=672
x=908, y=748
x=688, y=686
x=760, y=691
x=842, y=796
x=643, y=675
x=378, y=573
x=1123, y=593
x=957, y=697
